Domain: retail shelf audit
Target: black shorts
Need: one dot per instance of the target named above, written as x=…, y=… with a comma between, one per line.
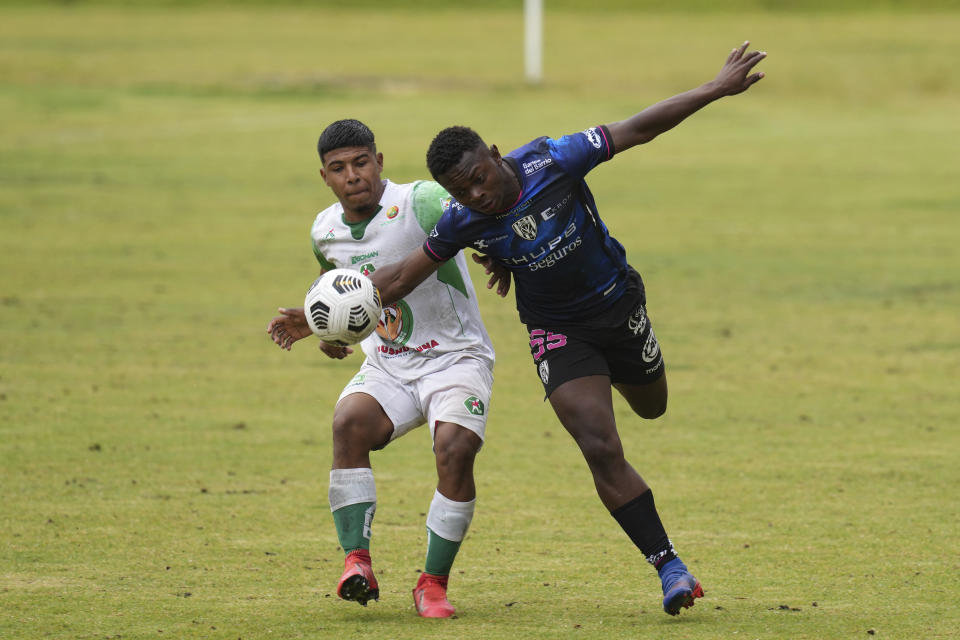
x=627, y=352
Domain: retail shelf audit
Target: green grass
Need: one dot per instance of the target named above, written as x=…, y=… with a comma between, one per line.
x=163, y=467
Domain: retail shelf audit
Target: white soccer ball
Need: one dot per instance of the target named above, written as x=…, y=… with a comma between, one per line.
x=342, y=307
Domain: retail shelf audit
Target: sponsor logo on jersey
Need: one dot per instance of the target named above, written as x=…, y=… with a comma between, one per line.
x=526, y=227
x=549, y=212
x=541, y=255
x=474, y=405
x=396, y=323
x=392, y=212
x=533, y=166
x=365, y=256
x=391, y=351
x=594, y=137
x=483, y=243
x=544, y=371
x=357, y=379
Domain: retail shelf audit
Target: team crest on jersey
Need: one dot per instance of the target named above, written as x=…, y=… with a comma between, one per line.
x=594, y=137
x=526, y=227
x=330, y=235
x=367, y=269
x=474, y=405
x=544, y=371
x=393, y=212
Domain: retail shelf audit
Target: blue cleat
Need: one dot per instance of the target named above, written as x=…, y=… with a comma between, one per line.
x=680, y=588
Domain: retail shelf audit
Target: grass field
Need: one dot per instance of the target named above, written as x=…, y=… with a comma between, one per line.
x=163, y=467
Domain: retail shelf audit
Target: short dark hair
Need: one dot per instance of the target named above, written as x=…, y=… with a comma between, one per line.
x=448, y=148
x=345, y=133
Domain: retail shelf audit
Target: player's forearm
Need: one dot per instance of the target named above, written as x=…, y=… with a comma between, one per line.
x=662, y=116
x=390, y=283
x=396, y=280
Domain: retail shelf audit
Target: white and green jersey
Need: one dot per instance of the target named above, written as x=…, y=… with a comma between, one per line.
x=439, y=321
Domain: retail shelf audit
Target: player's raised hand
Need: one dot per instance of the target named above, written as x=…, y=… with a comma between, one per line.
x=499, y=275
x=735, y=76
x=290, y=326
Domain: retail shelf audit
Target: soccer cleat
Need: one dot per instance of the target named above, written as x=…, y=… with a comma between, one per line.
x=430, y=597
x=357, y=582
x=680, y=588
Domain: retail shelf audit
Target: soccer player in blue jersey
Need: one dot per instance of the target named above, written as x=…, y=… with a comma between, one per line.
x=583, y=304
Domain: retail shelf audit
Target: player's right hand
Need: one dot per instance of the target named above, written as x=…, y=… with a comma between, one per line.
x=290, y=326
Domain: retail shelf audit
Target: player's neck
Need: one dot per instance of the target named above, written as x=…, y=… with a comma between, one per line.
x=360, y=215
x=515, y=186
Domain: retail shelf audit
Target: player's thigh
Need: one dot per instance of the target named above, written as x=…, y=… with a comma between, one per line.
x=360, y=420
x=460, y=395
x=584, y=406
x=637, y=368
x=375, y=402
x=647, y=400
x=561, y=356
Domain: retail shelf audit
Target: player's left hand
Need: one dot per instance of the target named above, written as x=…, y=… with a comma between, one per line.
x=499, y=275
x=733, y=78
x=290, y=326
x=334, y=351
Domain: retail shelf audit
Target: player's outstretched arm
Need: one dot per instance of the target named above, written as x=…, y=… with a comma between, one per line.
x=734, y=77
x=290, y=326
x=396, y=280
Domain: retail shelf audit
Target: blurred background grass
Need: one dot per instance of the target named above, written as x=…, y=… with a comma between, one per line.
x=164, y=467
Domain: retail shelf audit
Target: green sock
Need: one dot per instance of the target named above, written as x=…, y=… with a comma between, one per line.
x=440, y=554
x=353, y=525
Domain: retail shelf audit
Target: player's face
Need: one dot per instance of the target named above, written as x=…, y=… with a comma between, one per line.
x=353, y=173
x=482, y=182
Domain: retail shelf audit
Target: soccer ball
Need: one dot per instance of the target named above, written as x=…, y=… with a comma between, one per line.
x=342, y=307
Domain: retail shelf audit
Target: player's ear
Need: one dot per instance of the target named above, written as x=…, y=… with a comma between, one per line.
x=495, y=154
x=380, y=160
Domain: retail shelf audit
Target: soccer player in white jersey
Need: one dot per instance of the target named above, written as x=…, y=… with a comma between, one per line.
x=429, y=361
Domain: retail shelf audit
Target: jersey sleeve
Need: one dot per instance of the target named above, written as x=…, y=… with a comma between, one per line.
x=443, y=241
x=429, y=199
x=315, y=245
x=578, y=153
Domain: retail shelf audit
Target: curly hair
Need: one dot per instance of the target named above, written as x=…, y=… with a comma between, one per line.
x=448, y=148
x=345, y=133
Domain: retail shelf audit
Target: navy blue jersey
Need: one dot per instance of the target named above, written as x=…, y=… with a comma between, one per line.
x=566, y=267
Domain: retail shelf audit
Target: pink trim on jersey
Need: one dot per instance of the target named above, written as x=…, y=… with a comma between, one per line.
x=517, y=201
x=426, y=243
x=609, y=146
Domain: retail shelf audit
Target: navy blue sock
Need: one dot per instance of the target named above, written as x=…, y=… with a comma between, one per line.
x=640, y=521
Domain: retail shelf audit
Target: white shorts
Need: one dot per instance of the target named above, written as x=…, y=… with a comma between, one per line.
x=459, y=394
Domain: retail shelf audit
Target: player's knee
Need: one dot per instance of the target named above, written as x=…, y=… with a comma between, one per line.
x=456, y=449
x=353, y=430
x=601, y=452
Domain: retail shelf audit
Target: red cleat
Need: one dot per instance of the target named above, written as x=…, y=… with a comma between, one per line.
x=430, y=597
x=357, y=582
